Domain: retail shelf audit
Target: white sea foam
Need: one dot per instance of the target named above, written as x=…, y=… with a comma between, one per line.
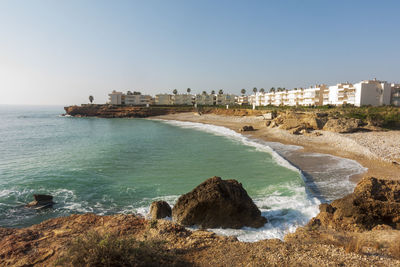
x=284, y=213
x=223, y=131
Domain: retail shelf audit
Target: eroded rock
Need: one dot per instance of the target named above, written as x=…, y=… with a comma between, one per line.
x=343, y=125
x=374, y=202
x=159, y=210
x=218, y=203
x=246, y=128
x=41, y=201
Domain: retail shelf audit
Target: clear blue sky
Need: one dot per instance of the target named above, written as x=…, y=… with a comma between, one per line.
x=59, y=52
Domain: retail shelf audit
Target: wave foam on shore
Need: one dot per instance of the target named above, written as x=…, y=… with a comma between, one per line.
x=284, y=213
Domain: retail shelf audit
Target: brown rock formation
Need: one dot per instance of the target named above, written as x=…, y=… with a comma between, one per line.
x=160, y=209
x=246, y=128
x=218, y=203
x=113, y=111
x=343, y=125
x=41, y=201
x=374, y=202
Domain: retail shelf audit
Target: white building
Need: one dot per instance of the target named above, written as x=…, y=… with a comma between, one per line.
x=242, y=100
x=163, y=99
x=224, y=99
x=119, y=98
x=182, y=99
x=342, y=93
x=395, y=97
x=368, y=92
x=136, y=99
x=372, y=92
x=204, y=99
x=115, y=98
x=312, y=96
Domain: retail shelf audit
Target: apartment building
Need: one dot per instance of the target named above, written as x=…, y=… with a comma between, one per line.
x=341, y=93
x=163, y=99
x=395, y=97
x=224, y=99
x=115, y=98
x=119, y=98
x=182, y=99
x=204, y=99
x=242, y=100
x=131, y=99
x=372, y=92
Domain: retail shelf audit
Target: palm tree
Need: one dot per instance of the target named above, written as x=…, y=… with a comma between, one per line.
x=221, y=92
x=243, y=91
x=188, y=90
x=255, y=90
x=262, y=90
x=272, y=89
x=279, y=89
x=213, y=92
x=175, y=91
x=204, y=93
x=91, y=98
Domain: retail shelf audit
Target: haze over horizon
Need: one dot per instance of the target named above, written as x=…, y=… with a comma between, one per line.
x=60, y=52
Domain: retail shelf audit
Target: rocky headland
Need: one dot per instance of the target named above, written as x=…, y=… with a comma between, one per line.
x=114, y=111
x=359, y=230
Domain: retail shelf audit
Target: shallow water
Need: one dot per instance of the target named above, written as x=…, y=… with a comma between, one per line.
x=109, y=166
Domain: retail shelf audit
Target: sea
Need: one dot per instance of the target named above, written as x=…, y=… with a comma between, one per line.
x=114, y=166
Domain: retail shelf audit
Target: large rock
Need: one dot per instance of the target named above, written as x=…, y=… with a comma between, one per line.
x=159, y=209
x=305, y=120
x=41, y=201
x=246, y=128
x=343, y=125
x=374, y=202
x=218, y=203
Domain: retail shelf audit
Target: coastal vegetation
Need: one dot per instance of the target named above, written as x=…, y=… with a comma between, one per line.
x=110, y=249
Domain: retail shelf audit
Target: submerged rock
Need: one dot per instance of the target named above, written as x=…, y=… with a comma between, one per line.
x=41, y=201
x=375, y=202
x=159, y=209
x=218, y=203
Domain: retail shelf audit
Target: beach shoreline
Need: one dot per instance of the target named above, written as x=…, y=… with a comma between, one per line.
x=335, y=144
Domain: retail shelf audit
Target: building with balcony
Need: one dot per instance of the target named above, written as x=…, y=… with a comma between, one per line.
x=163, y=100
x=342, y=93
x=224, y=99
x=242, y=100
x=204, y=99
x=115, y=98
x=182, y=99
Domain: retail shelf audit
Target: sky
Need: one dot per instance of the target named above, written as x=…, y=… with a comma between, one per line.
x=60, y=52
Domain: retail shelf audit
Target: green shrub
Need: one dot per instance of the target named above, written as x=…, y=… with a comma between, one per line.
x=95, y=249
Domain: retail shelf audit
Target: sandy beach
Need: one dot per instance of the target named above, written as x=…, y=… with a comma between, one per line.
x=377, y=151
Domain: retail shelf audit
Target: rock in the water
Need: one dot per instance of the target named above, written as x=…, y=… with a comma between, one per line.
x=246, y=128
x=41, y=201
x=374, y=202
x=218, y=203
x=159, y=210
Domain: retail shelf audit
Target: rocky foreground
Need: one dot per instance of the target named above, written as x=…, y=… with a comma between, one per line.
x=361, y=229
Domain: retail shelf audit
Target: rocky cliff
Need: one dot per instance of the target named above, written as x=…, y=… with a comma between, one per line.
x=113, y=111
x=67, y=241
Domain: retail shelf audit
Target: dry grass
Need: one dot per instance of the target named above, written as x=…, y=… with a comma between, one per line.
x=95, y=249
x=395, y=248
x=354, y=245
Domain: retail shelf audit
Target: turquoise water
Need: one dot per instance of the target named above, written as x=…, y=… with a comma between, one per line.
x=109, y=166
